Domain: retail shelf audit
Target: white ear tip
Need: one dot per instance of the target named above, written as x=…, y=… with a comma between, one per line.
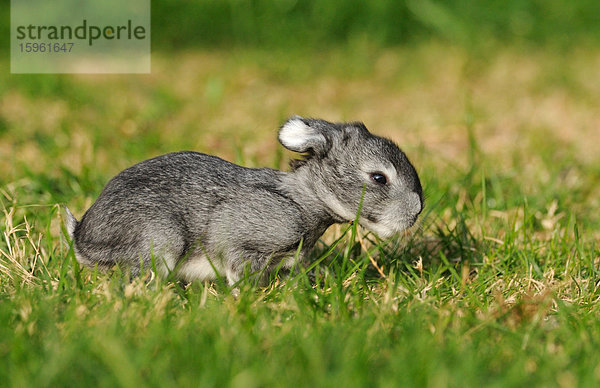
x=294, y=133
x=295, y=125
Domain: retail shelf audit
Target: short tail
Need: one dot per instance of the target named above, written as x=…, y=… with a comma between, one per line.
x=71, y=223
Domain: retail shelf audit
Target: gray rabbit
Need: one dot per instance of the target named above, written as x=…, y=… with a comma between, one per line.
x=194, y=214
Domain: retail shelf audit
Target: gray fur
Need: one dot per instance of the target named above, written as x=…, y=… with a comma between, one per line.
x=196, y=213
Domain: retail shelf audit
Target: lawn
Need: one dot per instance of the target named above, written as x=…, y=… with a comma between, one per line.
x=497, y=286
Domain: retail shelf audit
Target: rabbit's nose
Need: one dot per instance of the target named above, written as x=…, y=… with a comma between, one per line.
x=415, y=204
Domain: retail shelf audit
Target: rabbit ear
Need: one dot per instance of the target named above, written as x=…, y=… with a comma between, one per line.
x=303, y=135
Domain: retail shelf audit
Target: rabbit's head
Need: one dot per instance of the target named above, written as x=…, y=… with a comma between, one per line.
x=343, y=160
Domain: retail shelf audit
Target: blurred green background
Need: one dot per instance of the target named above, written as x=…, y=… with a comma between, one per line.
x=180, y=24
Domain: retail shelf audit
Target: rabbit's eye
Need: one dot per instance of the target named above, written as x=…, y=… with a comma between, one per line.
x=378, y=178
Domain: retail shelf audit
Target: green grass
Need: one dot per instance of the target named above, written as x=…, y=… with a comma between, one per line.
x=497, y=287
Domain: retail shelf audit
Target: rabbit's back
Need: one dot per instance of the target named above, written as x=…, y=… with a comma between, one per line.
x=169, y=174
x=165, y=202
x=181, y=182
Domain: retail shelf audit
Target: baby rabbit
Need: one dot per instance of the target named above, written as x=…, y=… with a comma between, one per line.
x=194, y=214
